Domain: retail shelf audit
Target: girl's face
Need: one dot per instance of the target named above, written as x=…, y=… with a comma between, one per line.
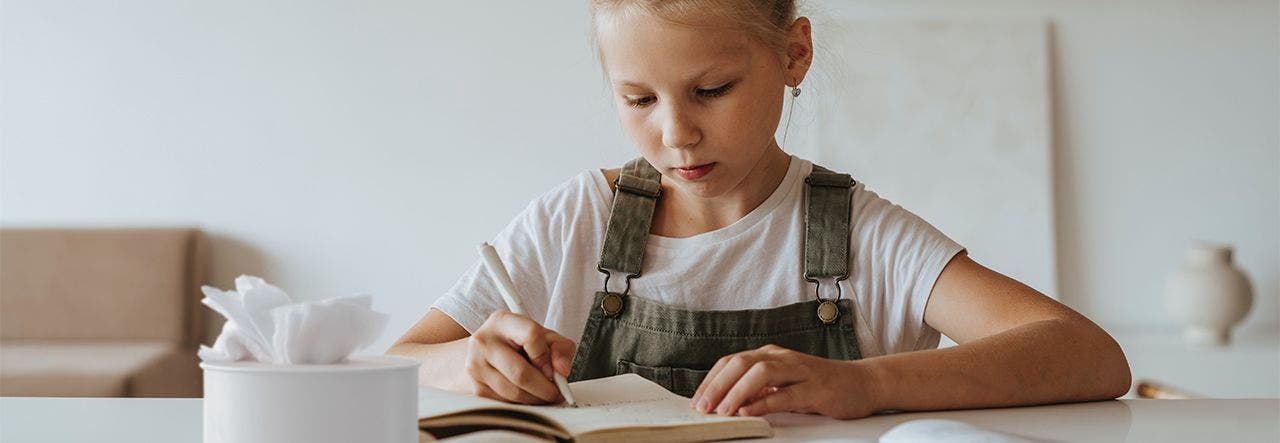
x=702, y=105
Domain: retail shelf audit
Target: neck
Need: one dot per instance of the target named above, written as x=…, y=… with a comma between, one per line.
x=682, y=214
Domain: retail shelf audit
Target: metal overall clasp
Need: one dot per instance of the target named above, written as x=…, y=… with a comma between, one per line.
x=612, y=303
x=828, y=310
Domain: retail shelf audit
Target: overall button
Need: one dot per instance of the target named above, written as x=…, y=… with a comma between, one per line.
x=828, y=312
x=611, y=304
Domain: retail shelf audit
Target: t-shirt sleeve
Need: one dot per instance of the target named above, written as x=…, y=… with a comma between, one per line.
x=529, y=249
x=905, y=255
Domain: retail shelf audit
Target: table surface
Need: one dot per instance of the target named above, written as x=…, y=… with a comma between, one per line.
x=108, y=420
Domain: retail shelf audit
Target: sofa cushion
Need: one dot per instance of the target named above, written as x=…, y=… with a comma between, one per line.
x=126, y=284
x=75, y=368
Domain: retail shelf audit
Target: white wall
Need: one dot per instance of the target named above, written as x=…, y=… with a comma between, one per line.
x=1167, y=130
x=344, y=147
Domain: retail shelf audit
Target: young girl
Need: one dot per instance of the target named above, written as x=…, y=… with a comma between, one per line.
x=725, y=269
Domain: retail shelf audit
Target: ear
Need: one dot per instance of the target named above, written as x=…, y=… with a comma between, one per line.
x=799, y=51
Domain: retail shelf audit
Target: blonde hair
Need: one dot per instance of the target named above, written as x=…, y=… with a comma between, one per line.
x=767, y=21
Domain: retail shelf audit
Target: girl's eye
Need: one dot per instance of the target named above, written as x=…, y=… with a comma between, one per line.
x=705, y=93
x=640, y=102
x=712, y=93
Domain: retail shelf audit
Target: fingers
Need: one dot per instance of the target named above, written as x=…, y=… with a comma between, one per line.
x=738, y=378
x=776, y=400
x=520, y=373
x=562, y=351
x=717, y=383
x=696, y=400
x=513, y=358
x=530, y=337
x=527, y=334
x=547, y=350
x=488, y=382
x=761, y=375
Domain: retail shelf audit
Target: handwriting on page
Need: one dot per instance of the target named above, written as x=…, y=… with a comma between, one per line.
x=623, y=401
x=602, y=404
x=630, y=412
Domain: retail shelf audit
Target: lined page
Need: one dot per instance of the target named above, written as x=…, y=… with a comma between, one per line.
x=623, y=401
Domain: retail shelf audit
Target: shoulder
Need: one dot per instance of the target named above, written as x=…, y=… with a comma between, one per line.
x=611, y=176
x=892, y=230
x=583, y=198
x=875, y=217
x=587, y=187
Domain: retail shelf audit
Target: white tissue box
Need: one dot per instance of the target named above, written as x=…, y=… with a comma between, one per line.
x=366, y=399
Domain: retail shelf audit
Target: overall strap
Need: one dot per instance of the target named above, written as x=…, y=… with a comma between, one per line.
x=630, y=218
x=826, y=224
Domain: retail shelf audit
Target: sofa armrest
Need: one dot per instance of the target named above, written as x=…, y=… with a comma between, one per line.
x=175, y=374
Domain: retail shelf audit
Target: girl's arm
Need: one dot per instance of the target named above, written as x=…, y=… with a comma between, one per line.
x=440, y=344
x=1016, y=347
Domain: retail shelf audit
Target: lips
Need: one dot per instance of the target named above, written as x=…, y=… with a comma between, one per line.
x=694, y=172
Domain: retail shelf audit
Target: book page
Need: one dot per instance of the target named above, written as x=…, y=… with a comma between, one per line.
x=624, y=401
x=621, y=401
x=436, y=402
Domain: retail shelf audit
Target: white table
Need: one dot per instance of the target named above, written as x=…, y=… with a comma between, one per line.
x=109, y=420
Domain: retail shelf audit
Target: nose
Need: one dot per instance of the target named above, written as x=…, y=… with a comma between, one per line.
x=679, y=130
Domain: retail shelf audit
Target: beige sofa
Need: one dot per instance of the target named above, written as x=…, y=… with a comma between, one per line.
x=101, y=312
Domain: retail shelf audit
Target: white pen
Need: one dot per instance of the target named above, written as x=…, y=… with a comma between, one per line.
x=499, y=272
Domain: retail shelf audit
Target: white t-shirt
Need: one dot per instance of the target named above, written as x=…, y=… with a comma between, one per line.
x=551, y=250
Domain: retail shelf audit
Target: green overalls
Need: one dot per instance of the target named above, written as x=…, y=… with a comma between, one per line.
x=676, y=347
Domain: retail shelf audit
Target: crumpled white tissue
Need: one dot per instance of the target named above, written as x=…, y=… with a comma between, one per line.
x=265, y=325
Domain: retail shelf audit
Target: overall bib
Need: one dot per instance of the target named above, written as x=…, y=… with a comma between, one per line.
x=675, y=347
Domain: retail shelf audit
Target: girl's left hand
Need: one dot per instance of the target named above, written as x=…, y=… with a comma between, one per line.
x=776, y=379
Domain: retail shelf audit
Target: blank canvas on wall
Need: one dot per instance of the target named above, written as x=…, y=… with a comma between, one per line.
x=948, y=118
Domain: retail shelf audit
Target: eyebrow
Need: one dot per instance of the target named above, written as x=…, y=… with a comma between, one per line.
x=700, y=75
x=704, y=73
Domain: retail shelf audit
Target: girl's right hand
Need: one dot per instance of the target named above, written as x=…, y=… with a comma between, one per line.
x=513, y=358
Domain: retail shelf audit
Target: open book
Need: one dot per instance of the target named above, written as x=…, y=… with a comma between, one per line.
x=621, y=408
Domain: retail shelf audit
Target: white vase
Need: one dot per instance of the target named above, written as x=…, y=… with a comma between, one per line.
x=1208, y=294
